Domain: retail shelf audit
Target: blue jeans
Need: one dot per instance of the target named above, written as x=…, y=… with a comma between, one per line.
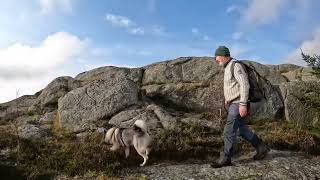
x=233, y=124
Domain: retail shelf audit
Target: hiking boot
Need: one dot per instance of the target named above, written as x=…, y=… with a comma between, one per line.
x=221, y=162
x=262, y=151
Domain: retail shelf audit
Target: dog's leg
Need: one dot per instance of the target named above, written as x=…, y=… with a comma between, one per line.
x=127, y=151
x=114, y=148
x=144, y=155
x=147, y=151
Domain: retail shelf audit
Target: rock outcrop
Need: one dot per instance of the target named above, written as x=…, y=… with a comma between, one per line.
x=110, y=72
x=180, y=86
x=278, y=165
x=16, y=108
x=80, y=108
x=302, y=100
x=49, y=96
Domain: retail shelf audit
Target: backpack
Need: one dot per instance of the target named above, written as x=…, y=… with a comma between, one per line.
x=256, y=81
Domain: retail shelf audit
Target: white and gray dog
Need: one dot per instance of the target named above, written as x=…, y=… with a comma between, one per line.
x=126, y=137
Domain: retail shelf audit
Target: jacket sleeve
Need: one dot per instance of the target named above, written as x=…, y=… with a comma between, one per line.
x=242, y=78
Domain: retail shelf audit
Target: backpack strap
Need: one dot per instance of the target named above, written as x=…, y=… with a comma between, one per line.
x=233, y=64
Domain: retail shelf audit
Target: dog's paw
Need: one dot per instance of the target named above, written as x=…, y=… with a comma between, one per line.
x=141, y=165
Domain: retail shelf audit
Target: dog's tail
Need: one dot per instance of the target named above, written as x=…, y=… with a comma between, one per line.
x=109, y=134
x=140, y=126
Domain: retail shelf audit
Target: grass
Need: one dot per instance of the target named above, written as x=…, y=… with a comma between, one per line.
x=286, y=136
x=192, y=141
x=63, y=155
x=90, y=157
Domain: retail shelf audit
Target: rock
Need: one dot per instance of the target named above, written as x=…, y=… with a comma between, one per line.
x=167, y=120
x=127, y=118
x=284, y=68
x=185, y=69
x=110, y=72
x=301, y=74
x=197, y=119
x=15, y=108
x=159, y=118
x=80, y=108
x=278, y=165
x=300, y=100
x=47, y=120
x=196, y=84
x=31, y=131
x=48, y=99
x=125, y=115
x=188, y=96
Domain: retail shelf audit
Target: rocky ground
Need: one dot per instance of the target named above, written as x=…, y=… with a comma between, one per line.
x=277, y=165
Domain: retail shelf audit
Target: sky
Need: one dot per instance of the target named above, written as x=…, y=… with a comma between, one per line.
x=44, y=39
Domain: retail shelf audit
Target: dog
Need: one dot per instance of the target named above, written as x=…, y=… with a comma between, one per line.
x=136, y=136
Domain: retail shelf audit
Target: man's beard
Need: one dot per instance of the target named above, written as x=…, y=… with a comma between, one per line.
x=221, y=64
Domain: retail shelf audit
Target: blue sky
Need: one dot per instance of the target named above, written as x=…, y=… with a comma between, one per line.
x=44, y=39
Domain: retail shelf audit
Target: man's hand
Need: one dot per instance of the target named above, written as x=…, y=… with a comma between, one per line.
x=243, y=111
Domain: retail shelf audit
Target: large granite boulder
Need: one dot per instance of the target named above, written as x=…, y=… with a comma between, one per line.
x=80, y=108
x=184, y=69
x=110, y=72
x=196, y=84
x=48, y=99
x=302, y=102
x=185, y=83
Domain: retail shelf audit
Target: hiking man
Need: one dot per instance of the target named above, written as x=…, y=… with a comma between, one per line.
x=236, y=93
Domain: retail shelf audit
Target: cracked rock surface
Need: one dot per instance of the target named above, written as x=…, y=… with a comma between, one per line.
x=277, y=165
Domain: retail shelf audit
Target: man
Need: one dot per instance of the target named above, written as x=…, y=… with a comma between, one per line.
x=236, y=93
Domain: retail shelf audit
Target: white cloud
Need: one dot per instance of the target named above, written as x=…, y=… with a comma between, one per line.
x=159, y=31
x=54, y=50
x=196, y=32
x=310, y=47
x=138, y=31
x=30, y=68
x=206, y=38
x=48, y=6
x=263, y=11
x=120, y=21
x=237, y=35
x=125, y=22
x=238, y=50
x=133, y=28
x=231, y=9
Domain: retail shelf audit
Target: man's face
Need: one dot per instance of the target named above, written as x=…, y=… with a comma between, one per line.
x=221, y=60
